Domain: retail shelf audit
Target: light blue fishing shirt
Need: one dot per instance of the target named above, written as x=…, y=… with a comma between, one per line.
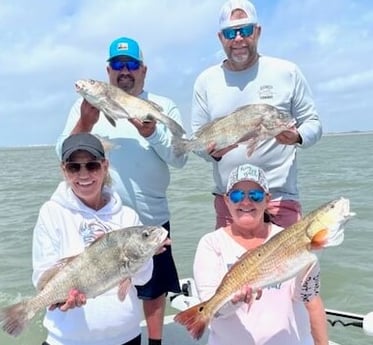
x=280, y=83
x=139, y=166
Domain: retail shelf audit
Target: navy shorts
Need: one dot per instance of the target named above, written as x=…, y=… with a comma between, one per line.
x=164, y=278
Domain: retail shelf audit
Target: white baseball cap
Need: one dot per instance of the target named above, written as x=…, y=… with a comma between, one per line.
x=247, y=172
x=231, y=5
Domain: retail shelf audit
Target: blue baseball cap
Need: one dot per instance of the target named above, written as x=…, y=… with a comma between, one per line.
x=124, y=46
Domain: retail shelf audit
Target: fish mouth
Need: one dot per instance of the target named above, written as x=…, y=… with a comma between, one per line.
x=77, y=86
x=163, y=234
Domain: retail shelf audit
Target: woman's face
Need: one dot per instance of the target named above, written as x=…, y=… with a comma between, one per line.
x=247, y=202
x=86, y=176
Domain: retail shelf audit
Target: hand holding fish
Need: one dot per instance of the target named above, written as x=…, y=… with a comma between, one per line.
x=217, y=154
x=145, y=128
x=75, y=299
x=289, y=136
x=162, y=249
x=89, y=115
x=246, y=295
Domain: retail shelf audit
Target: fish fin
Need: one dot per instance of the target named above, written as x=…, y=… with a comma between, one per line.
x=149, y=118
x=176, y=129
x=291, y=123
x=153, y=104
x=111, y=120
x=52, y=271
x=249, y=136
x=194, y=319
x=107, y=144
x=333, y=235
x=328, y=237
x=14, y=318
x=115, y=111
x=123, y=289
x=319, y=239
x=251, y=146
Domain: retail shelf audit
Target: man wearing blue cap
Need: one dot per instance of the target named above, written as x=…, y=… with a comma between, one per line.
x=140, y=163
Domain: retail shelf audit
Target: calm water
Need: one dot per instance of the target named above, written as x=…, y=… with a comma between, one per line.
x=336, y=166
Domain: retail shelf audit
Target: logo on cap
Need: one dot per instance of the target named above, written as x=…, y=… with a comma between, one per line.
x=122, y=46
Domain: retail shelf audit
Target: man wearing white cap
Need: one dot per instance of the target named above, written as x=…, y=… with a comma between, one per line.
x=247, y=77
x=140, y=159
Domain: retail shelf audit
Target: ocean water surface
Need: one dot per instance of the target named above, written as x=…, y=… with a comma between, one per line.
x=339, y=165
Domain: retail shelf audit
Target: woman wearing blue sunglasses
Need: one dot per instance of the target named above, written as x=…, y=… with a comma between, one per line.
x=283, y=313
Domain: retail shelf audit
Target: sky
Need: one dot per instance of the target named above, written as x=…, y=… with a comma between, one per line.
x=47, y=45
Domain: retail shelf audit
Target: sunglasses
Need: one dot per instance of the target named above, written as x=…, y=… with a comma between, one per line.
x=238, y=195
x=245, y=31
x=74, y=167
x=131, y=65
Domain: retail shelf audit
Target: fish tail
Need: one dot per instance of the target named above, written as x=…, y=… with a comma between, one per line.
x=180, y=146
x=14, y=319
x=173, y=126
x=194, y=319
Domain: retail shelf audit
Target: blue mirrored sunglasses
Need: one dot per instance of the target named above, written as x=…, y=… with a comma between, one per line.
x=245, y=31
x=131, y=65
x=238, y=195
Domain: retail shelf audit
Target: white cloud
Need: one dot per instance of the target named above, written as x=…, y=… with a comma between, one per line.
x=362, y=80
x=46, y=46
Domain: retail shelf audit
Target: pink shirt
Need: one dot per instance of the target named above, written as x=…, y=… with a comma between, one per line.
x=279, y=317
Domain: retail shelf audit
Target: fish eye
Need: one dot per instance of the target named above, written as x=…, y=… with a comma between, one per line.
x=91, y=81
x=145, y=234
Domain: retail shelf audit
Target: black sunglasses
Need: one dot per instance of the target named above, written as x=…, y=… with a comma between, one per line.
x=74, y=167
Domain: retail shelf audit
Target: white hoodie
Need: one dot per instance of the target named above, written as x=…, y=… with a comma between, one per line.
x=65, y=226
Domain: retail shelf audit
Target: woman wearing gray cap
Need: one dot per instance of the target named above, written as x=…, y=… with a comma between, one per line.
x=83, y=208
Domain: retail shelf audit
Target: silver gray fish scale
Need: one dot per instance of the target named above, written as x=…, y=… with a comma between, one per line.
x=107, y=262
x=117, y=104
x=113, y=257
x=247, y=124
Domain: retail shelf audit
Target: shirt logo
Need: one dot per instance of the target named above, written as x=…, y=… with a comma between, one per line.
x=90, y=230
x=266, y=92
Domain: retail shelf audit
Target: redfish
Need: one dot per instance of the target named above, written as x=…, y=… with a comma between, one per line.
x=282, y=257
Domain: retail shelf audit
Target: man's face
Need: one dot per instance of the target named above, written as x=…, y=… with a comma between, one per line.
x=127, y=73
x=240, y=47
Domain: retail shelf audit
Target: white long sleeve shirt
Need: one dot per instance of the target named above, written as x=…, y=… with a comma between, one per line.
x=219, y=91
x=64, y=228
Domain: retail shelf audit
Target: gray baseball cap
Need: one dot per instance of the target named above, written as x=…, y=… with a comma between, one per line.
x=84, y=142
